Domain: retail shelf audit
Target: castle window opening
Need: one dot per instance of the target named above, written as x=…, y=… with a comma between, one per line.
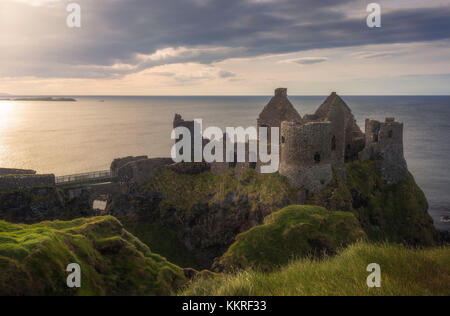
x=283, y=139
x=333, y=143
x=317, y=158
x=391, y=133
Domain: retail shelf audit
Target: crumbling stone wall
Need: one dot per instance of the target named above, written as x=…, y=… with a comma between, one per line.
x=347, y=139
x=306, y=158
x=190, y=125
x=384, y=143
x=142, y=171
x=14, y=182
x=278, y=110
x=120, y=162
x=220, y=168
x=6, y=171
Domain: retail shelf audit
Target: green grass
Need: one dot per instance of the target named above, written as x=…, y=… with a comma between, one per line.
x=294, y=232
x=404, y=272
x=33, y=259
x=183, y=192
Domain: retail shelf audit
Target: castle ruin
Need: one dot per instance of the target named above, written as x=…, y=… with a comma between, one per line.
x=384, y=143
x=314, y=146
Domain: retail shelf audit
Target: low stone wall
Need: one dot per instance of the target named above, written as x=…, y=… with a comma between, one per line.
x=14, y=182
x=120, y=162
x=142, y=171
x=7, y=171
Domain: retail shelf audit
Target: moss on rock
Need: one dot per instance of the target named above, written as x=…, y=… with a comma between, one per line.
x=294, y=232
x=394, y=213
x=33, y=260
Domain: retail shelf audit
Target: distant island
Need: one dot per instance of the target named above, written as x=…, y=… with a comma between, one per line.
x=52, y=99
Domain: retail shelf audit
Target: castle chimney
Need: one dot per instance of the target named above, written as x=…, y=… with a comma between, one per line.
x=390, y=119
x=281, y=92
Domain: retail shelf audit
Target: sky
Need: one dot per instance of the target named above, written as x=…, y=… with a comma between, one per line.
x=218, y=47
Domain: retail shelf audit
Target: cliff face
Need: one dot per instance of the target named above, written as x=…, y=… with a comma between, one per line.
x=394, y=213
x=205, y=212
x=34, y=205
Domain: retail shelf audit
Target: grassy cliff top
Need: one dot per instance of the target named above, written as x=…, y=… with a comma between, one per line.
x=292, y=233
x=33, y=260
x=403, y=272
x=184, y=191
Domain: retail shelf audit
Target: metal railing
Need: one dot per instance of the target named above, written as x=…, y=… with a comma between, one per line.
x=84, y=177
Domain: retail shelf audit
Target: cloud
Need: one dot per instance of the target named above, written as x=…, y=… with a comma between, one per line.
x=306, y=60
x=373, y=55
x=226, y=74
x=125, y=37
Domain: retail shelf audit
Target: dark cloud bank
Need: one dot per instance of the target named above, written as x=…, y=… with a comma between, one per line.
x=115, y=31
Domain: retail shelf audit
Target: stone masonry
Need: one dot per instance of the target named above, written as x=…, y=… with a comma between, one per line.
x=384, y=143
x=306, y=159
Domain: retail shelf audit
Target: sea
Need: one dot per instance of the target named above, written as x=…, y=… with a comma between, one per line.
x=75, y=137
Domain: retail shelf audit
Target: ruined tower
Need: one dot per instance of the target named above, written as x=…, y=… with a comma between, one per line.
x=178, y=121
x=347, y=139
x=306, y=158
x=384, y=143
x=278, y=110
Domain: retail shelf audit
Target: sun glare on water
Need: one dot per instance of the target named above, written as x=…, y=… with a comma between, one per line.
x=6, y=110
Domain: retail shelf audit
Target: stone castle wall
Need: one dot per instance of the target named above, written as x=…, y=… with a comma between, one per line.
x=384, y=143
x=6, y=171
x=14, y=182
x=306, y=158
x=120, y=162
x=142, y=171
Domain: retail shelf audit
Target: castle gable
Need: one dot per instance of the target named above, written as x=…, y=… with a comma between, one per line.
x=333, y=106
x=279, y=109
